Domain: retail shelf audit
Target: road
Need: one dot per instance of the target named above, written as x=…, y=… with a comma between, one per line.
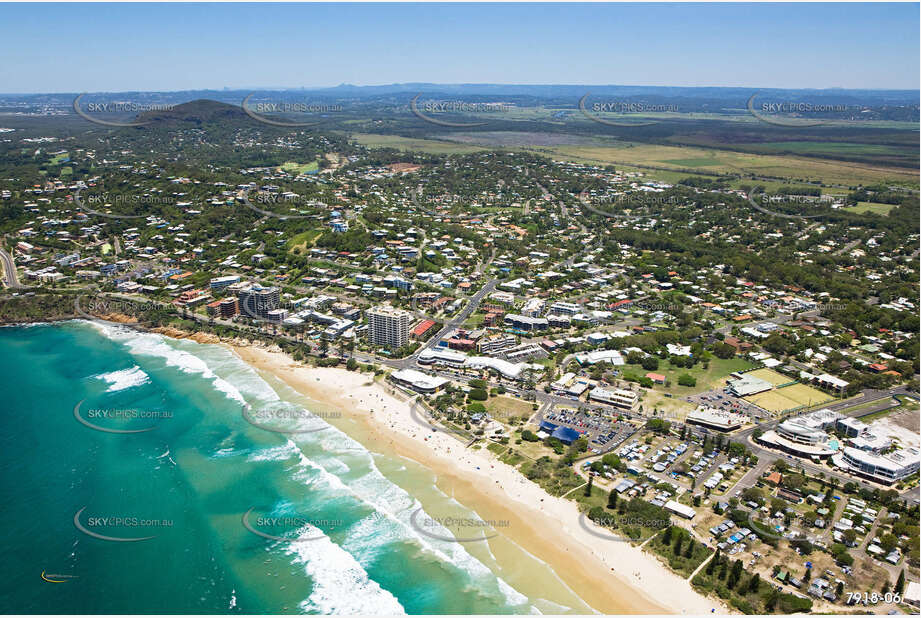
x=10, y=278
x=450, y=325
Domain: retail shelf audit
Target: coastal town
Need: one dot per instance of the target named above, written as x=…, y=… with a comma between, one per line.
x=732, y=392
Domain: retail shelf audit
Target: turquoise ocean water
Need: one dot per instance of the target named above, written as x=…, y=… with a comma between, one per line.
x=187, y=483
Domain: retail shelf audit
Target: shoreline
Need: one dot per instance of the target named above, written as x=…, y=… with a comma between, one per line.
x=590, y=567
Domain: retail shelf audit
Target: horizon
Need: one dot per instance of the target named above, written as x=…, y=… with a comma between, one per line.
x=795, y=46
x=453, y=84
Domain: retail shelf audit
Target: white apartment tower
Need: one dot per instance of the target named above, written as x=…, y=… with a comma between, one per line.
x=388, y=326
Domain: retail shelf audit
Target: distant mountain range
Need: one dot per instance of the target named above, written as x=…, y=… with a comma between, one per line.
x=715, y=96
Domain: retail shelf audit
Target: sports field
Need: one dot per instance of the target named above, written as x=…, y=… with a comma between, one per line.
x=805, y=395
x=789, y=397
x=769, y=375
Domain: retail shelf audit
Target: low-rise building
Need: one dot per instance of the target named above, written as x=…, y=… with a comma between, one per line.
x=714, y=418
x=618, y=398
x=880, y=468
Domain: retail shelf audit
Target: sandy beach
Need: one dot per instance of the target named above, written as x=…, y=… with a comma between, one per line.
x=612, y=577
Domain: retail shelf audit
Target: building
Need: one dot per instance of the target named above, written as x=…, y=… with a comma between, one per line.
x=418, y=381
x=223, y=308
x=680, y=509
x=748, y=385
x=613, y=357
x=442, y=356
x=388, y=326
x=533, y=307
x=219, y=283
x=496, y=344
x=851, y=427
x=256, y=301
x=885, y=469
x=563, y=308
x=714, y=418
x=566, y=435
x=618, y=398
x=422, y=329
x=804, y=436
x=526, y=323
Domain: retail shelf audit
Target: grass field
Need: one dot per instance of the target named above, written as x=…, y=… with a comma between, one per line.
x=806, y=395
x=303, y=241
x=731, y=162
x=711, y=377
x=670, y=163
x=502, y=408
x=771, y=376
x=789, y=397
x=772, y=401
x=413, y=144
x=294, y=167
x=872, y=207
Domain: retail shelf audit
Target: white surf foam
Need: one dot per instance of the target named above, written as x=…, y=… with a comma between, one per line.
x=124, y=379
x=340, y=584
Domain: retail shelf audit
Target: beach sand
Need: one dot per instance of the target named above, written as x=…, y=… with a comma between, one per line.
x=612, y=577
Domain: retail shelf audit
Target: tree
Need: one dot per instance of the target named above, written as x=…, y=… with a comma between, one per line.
x=667, y=537
x=735, y=574
x=612, y=499
x=888, y=542
x=900, y=583
x=754, y=583
x=712, y=564
x=689, y=550
x=686, y=379
x=771, y=601
x=677, y=548
x=588, y=486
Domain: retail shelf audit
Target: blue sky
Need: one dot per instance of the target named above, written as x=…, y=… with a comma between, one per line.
x=117, y=47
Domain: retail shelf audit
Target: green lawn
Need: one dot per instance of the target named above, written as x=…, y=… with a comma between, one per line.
x=708, y=378
x=699, y=162
x=300, y=168
x=875, y=208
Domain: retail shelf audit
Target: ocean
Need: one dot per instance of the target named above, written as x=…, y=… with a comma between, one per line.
x=143, y=474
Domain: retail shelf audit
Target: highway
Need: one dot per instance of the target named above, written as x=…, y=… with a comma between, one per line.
x=10, y=278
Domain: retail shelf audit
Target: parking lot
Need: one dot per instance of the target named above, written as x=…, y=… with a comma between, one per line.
x=722, y=400
x=603, y=435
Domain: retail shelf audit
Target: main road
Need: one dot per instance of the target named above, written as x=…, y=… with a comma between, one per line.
x=10, y=278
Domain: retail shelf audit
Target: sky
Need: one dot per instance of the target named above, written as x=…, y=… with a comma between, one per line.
x=162, y=47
